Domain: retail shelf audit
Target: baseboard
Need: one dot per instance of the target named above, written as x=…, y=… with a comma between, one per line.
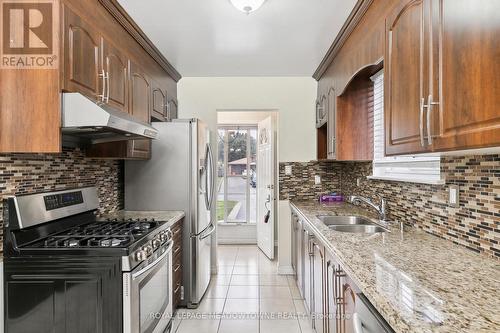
x=285, y=270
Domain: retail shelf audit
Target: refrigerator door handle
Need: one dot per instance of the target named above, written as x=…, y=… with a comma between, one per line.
x=211, y=225
x=211, y=229
x=212, y=177
x=207, y=155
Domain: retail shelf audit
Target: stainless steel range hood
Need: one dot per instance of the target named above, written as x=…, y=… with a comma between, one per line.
x=98, y=123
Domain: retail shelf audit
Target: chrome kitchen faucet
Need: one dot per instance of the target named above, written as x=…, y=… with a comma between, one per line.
x=381, y=209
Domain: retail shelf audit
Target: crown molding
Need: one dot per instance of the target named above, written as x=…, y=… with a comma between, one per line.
x=350, y=24
x=136, y=32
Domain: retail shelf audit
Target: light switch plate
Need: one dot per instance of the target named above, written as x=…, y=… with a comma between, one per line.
x=317, y=180
x=453, y=195
x=288, y=170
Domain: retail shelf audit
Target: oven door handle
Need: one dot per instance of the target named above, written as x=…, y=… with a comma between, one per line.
x=154, y=263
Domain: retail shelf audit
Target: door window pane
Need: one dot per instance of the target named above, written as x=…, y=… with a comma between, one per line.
x=236, y=204
x=237, y=152
x=237, y=177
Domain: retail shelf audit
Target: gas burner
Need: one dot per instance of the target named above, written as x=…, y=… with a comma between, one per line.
x=111, y=242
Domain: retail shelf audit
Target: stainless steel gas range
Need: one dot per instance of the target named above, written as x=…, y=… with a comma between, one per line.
x=65, y=271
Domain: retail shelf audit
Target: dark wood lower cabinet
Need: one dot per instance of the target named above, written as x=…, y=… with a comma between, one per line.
x=177, y=264
x=63, y=295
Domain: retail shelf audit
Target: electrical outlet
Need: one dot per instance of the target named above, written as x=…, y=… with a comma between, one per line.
x=288, y=170
x=317, y=180
x=358, y=181
x=453, y=197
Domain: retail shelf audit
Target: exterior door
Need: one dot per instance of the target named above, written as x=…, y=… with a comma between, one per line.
x=405, y=79
x=115, y=65
x=466, y=67
x=266, y=186
x=82, y=69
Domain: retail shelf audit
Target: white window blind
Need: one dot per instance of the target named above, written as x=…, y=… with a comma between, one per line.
x=418, y=169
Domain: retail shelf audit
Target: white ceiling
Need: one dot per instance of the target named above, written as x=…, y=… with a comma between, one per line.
x=212, y=38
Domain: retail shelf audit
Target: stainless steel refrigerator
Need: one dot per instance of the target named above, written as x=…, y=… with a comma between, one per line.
x=180, y=176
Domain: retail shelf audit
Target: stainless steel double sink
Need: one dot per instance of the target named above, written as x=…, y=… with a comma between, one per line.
x=353, y=224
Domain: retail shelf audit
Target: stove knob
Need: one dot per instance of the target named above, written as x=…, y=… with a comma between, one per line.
x=156, y=243
x=148, y=249
x=163, y=236
x=141, y=255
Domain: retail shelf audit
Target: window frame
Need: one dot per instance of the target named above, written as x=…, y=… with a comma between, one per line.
x=425, y=169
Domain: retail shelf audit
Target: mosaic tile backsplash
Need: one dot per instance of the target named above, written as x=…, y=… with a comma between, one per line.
x=475, y=223
x=35, y=173
x=300, y=184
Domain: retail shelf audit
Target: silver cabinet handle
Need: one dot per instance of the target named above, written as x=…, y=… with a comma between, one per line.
x=102, y=75
x=430, y=103
x=422, y=105
x=107, y=89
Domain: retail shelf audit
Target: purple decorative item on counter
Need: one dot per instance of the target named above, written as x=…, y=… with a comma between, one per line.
x=333, y=197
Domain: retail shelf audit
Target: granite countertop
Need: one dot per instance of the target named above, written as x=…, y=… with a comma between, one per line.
x=417, y=281
x=171, y=216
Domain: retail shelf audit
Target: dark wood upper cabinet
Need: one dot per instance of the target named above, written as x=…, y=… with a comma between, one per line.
x=140, y=93
x=465, y=68
x=115, y=65
x=140, y=107
x=405, y=79
x=82, y=68
x=441, y=83
x=159, y=111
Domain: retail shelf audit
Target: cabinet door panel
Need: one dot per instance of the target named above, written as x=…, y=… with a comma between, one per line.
x=140, y=93
x=332, y=118
x=173, y=109
x=405, y=79
x=159, y=111
x=319, y=288
x=81, y=57
x=466, y=34
x=116, y=67
x=139, y=149
x=140, y=107
x=307, y=270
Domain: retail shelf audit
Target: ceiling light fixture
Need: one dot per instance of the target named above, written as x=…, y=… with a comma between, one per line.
x=247, y=6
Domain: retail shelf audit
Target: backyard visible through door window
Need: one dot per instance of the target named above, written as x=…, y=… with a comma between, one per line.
x=237, y=174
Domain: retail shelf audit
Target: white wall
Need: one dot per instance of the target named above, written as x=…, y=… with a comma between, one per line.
x=292, y=97
x=294, y=100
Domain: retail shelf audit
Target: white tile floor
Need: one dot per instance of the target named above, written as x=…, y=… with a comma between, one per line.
x=247, y=296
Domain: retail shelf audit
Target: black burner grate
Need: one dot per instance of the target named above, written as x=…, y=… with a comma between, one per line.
x=113, y=233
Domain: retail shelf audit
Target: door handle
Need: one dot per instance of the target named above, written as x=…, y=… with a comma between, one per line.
x=421, y=121
x=102, y=96
x=107, y=88
x=212, y=178
x=205, y=167
x=430, y=104
x=211, y=229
